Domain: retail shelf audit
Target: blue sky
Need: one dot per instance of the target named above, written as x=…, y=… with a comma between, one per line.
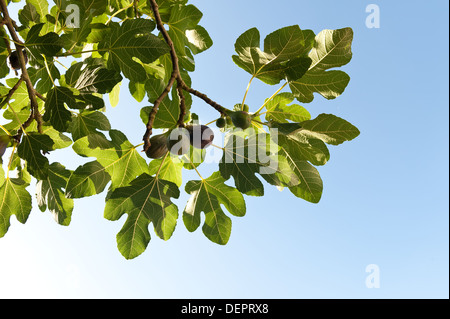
x=385, y=198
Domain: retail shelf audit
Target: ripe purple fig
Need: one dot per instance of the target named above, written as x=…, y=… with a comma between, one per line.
x=201, y=136
x=14, y=59
x=178, y=141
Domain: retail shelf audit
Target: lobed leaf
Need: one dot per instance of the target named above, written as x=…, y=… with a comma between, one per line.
x=332, y=49
x=59, y=97
x=29, y=16
x=146, y=200
x=303, y=147
x=48, y=44
x=31, y=148
x=87, y=180
x=132, y=39
x=310, y=184
x=55, y=107
x=169, y=109
x=119, y=157
x=284, y=55
x=20, y=98
x=185, y=31
x=207, y=196
x=279, y=110
x=14, y=200
x=168, y=168
x=41, y=6
x=91, y=76
x=330, y=129
x=43, y=77
x=87, y=123
x=50, y=194
x=243, y=158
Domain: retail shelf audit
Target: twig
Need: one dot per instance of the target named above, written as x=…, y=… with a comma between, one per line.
x=11, y=92
x=175, y=76
x=182, y=107
x=205, y=98
x=39, y=95
x=154, y=111
x=11, y=25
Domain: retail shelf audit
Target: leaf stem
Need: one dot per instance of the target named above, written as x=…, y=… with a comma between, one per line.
x=246, y=92
x=270, y=98
x=8, y=39
x=66, y=54
x=193, y=166
x=217, y=146
x=48, y=70
x=65, y=67
x=6, y=131
x=209, y=123
x=160, y=166
x=263, y=113
x=10, y=161
x=138, y=145
x=119, y=11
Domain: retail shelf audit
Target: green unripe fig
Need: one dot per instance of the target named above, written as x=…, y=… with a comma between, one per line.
x=178, y=141
x=14, y=59
x=221, y=122
x=201, y=136
x=245, y=108
x=241, y=119
x=158, y=147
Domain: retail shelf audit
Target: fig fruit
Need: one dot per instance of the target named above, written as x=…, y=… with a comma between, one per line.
x=201, y=136
x=178, y=141
x=14, y=59
x=221, y=122
x=158, y=147
x=241, y=119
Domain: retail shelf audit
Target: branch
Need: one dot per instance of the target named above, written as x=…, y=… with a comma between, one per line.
x=11, y=25
x=11, y=92
x=176, y=76
x=182, y=107
x=154, y=111
x=205, y=98
x=39, y=95
x=173, y=77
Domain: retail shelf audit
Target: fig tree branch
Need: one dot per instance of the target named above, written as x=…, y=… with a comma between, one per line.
x=175, y=76
x=34, y=115
x=11, y=92
x=182, y=107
